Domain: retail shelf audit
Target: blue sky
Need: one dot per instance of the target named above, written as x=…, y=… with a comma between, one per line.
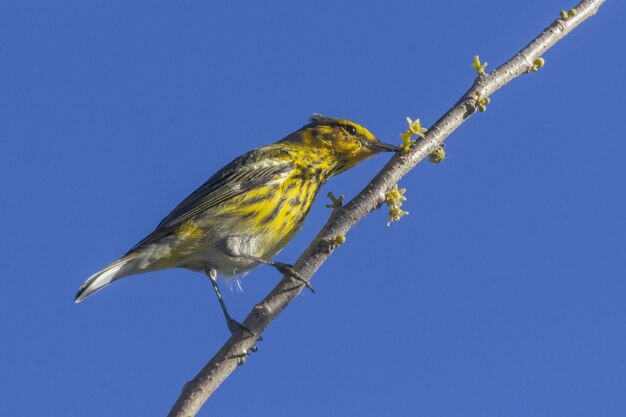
x=501, y=294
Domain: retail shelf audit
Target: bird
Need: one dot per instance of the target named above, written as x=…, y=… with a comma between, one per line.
x=249, y=210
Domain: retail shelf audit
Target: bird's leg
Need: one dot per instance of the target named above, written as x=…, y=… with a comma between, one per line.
x=283, y=268
x=233, y=325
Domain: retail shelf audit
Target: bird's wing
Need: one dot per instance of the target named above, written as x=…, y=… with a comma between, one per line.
x=249, y=171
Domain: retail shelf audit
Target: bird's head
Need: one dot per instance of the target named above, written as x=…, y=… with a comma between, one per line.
x=346, y=142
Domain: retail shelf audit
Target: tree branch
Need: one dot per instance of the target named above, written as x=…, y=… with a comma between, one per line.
x=236, y=348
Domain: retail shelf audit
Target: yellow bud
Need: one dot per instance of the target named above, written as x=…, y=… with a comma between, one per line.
x=480, y=68
x=564, y=15
x=394, y=199
x=539, y=62
x=337, y=202
x=482, y=108
x=572, y=12
x=437, y=156
x=340, y=240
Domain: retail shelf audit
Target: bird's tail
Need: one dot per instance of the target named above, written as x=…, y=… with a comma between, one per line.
x=118, y=269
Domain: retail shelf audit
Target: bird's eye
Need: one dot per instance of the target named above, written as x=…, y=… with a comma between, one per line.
x=351, y=130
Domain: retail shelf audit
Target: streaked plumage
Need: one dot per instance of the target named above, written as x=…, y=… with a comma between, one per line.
x=251, y=208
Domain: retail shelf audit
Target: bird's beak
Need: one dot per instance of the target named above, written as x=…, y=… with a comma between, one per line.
x=378, y=146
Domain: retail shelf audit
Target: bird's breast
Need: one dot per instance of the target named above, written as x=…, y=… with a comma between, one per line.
x=261, y=221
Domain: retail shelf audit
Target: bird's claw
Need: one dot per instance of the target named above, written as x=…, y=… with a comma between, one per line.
x=287, y=269
x=234, y=326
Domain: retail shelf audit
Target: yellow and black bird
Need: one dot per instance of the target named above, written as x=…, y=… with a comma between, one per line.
x=250, y=209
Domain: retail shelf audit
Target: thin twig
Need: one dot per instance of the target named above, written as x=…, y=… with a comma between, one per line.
x=235, y=350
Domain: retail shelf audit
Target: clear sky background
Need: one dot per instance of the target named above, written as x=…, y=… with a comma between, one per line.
x=503, y=293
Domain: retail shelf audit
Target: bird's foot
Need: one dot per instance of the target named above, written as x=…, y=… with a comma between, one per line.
x=287, y=269
x=234, y=326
